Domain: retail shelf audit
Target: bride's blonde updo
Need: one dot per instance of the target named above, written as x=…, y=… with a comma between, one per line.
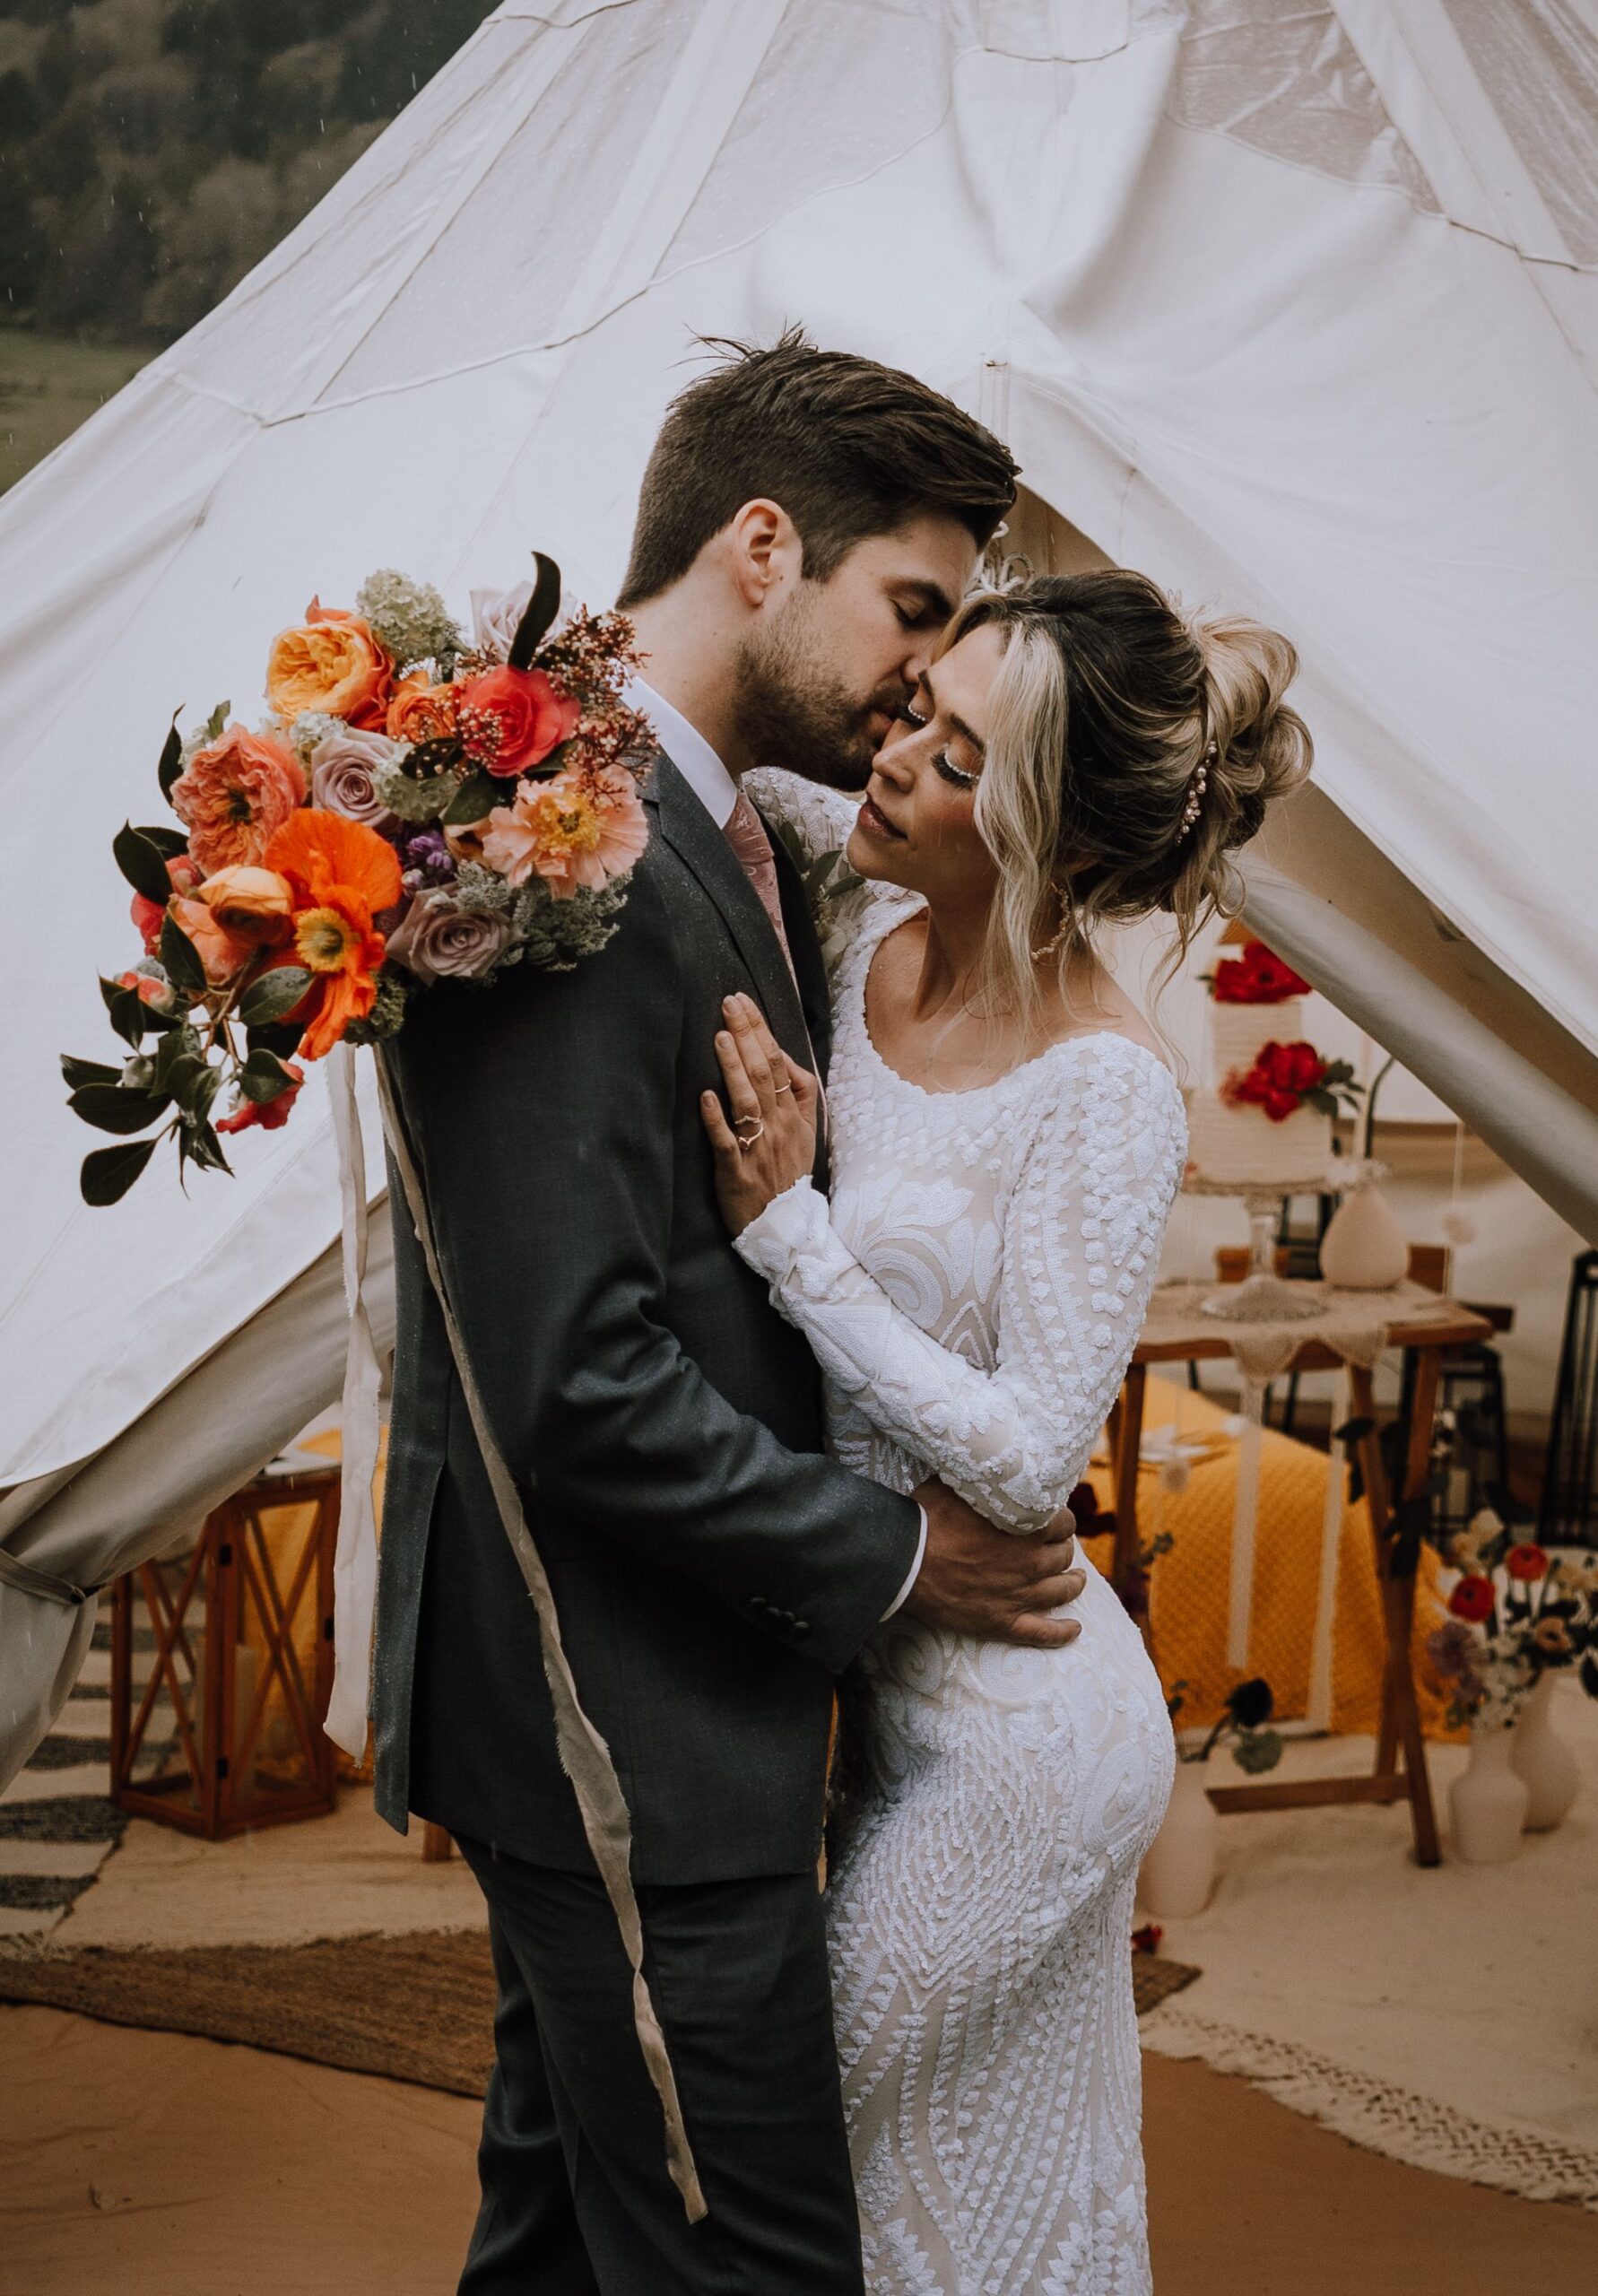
x=1129, y=752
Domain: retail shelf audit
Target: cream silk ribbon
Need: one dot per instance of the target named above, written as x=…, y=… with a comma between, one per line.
x=584, y=1755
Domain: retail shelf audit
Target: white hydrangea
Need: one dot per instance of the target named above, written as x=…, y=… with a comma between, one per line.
x=409, y=619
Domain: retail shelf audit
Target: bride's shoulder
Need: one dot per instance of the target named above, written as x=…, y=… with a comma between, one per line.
x=815, y=820
x=1115, y=1082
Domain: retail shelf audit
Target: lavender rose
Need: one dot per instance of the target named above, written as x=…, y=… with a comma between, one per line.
x=343, y=766
x=436, y=941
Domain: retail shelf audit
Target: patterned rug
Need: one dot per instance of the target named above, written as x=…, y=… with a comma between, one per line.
x=418, y=2007
x=58, y=1826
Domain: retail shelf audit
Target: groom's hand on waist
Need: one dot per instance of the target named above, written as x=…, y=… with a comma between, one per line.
x=1000, y=1585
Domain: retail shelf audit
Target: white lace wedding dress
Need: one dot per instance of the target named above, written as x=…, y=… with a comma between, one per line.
x=973, y=1293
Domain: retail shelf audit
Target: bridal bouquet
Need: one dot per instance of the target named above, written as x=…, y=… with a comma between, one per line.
x=416, y=807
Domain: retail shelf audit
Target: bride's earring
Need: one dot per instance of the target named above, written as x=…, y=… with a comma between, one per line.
x=1049, y=947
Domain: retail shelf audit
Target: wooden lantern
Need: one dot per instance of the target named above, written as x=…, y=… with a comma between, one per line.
x=222, y=1666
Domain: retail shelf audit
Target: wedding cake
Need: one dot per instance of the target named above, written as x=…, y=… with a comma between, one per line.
x=1266, y=1119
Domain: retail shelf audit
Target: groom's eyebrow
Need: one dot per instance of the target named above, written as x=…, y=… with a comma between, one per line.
x=958, y=724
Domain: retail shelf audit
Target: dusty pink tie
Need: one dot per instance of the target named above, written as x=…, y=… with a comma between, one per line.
x=746, y=834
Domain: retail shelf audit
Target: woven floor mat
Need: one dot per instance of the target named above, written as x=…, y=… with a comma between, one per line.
x=417, y=2008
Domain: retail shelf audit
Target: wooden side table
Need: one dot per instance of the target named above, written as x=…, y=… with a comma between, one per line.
x=1424, y=1326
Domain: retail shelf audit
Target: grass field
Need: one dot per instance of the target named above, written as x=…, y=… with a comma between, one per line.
x=47, y=386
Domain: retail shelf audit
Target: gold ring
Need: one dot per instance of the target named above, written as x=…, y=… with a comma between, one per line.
x=745, y=1145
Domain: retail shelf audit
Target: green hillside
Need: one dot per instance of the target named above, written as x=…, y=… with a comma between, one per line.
x=152, y=150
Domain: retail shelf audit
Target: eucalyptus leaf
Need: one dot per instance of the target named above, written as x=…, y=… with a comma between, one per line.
x=180, y=957
x=112, y=1108
x=276, y=993
x=108, y=1173
x=143, y=865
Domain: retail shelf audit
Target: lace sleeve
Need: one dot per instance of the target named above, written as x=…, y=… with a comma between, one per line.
x=1082, y=1231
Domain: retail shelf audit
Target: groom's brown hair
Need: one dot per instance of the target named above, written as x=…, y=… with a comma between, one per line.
x=847, y=447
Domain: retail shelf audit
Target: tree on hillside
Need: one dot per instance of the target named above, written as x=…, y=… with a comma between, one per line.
x=152, y=152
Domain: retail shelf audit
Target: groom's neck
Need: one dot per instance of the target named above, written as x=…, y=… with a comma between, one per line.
x=687, y=644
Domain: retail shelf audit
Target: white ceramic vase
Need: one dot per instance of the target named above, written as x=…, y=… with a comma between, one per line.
x=1542, y=1761
x=1364, y=1248
x=1489, y=1801
x=1179, y=1871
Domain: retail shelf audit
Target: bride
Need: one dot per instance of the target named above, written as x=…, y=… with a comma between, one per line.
x=1005, y=1141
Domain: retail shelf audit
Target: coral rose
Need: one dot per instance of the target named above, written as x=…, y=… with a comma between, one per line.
x=1525, y=1561
x=251, y=904
x=331, y=664
x=223, y=953
x=526, y=716
x=419, y=711
x=235, y=795
x=1472, y=1599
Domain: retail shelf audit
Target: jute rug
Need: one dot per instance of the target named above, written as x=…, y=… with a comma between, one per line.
x=417, y=2008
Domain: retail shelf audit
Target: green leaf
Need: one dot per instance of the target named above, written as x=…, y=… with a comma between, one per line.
x=264, y=1077
x=144, y=868
x=203, y=1147
x=182, y=1080
x=541, y=610
x=169, y=842
x=178, y=1044
x=112, y=1108
x=87, y=1071
x=478, y=794
x=130, y=1015
x=275, y=1036
x=1256, y=1750
x=108, y=1173
x=276, y=993
x=1322, y=1100
x=180, y=957
x=217, y=721
x=171, y=759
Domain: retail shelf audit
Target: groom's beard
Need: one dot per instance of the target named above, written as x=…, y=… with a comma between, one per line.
x=790, y=714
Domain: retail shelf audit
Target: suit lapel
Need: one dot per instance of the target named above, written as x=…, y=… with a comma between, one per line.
x=695, y=838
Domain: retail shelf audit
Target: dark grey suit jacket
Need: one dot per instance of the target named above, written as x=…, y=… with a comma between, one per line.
x=711, y=1567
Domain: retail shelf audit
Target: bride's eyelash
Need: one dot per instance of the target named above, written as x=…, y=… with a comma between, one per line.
x=954, y=774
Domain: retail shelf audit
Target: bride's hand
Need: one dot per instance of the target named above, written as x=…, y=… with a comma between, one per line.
x=771, y=1140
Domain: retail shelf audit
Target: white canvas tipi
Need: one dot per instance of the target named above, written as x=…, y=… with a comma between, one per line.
x=1292, y=306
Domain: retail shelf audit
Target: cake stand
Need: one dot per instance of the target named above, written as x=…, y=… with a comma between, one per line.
x=1262, y=1297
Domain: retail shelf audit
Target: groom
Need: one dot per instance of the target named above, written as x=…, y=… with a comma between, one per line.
x=808, y=521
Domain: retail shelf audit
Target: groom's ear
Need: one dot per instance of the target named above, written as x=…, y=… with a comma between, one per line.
x=764, y=556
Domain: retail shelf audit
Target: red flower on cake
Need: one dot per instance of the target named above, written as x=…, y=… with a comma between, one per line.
x=1258, y=976
x=1282, y=1079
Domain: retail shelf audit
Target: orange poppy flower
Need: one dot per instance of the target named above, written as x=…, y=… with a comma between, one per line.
x=341, y=875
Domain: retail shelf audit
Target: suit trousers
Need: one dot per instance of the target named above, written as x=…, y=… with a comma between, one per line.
x=576, y=2196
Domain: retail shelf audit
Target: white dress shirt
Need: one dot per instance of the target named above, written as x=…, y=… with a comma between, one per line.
x=717, y=792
